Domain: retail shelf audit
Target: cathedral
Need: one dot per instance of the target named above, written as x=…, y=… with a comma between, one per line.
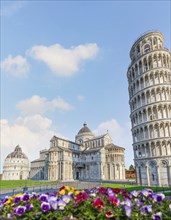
x=90, y=157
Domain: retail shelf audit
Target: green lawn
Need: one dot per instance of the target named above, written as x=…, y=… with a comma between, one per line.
x=130, y=188
x=4, y=184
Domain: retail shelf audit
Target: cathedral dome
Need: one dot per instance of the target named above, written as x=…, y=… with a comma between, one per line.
x=84, y=129
x=17, y=153
x=84, y=134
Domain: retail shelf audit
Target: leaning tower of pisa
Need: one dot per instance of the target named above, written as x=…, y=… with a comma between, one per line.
x=149, y=78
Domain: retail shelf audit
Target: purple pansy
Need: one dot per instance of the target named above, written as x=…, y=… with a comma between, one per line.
x=135, y=193
x=20, y=210
x=145, y=192
x=110, y=192
x=61, y=205
x=151, y=195
x=45, y=206
x=128, y=211
x=52, y=199
x=127, y=202
x=29, y=207
x=43, y=198
x=95, y=190
x=1, y=203
x=157, y=216
x=54, y=205
x=66, y=198
x=25, y=197
x=34, y=195
x=88, y=191
x=146, y=209
x=159, y=197
x=139, y=203
x=17, y=199
x=5, y=199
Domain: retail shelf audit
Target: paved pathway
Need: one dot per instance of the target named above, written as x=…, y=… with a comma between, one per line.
x=47, y=188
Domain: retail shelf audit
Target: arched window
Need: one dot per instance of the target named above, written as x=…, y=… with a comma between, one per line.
x=145, y=64
x=146, y=48
x=140, y=67
x=136, y=69
x=137, y=84
x=156, y=78
x=153, y=96
x=150, y=64
x=148, y=96
x=155, y=42
x=142, y=83
x=138, y=49
x=146, y=81
x=159, y=60
x=164, y=61
x=156, y=131
x=155, y=61
x=145, y=132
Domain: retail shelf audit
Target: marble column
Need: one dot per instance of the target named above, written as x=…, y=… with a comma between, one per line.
x=148, y=177
x=120, y=171
x=111, y=172
x=116, y=176
x=99, y=170
x=169, y=175
x=114, y=171
x=158, y=175
x=137, y=175
x=62, y=171
x=123, y=172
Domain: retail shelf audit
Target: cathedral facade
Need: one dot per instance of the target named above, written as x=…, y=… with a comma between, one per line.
x=149, y=78
x=90, y=157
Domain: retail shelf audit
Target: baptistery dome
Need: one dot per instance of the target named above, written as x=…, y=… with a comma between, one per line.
x=17, y=153
x=16, y=165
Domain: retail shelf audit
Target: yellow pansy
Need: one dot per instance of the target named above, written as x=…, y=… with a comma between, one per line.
x=62, y=192
x=67, y=188
x=18, y=195
x=10, y=199
x=76, y=193
x=73, y=188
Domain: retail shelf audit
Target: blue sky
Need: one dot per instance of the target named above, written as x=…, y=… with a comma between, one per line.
x=65, y=62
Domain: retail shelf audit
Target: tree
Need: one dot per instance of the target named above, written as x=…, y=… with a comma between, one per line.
x=131, y=167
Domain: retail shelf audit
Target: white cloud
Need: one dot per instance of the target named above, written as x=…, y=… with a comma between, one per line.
x=15, y=66
x=121, y=135
x=32, y=133
x=80, y=97
x=40, y=105
x=63, y=62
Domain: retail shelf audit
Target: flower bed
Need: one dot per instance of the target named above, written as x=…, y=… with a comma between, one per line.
x=97, y=203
